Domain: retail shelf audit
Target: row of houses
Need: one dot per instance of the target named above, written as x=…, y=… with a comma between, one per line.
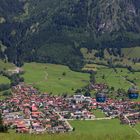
x=126, y=110
x=27, y=111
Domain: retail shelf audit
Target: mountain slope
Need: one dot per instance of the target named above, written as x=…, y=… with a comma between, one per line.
x=53, y=31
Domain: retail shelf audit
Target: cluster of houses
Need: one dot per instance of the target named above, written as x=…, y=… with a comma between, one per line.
x=126, y=110
x=28, y=111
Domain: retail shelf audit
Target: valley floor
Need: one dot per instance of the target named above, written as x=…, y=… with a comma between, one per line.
x=85, y=130
x=57, y=79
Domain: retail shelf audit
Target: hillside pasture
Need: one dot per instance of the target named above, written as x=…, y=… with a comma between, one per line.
x=4, y=80
x=131, y=52
x=118, y=77
x=56, y=79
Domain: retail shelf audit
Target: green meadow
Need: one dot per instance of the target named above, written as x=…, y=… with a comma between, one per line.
x=98, y=113
x=4, y=80
x=84, y=130
x=107, y=129
x=56, y=79
x=118, y=78
x=138, y=127
x=59, y=79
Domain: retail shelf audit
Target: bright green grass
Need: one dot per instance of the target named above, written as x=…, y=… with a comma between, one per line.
x=137, y=127
x=98, y=113
x=49, y=78
x=117, y=80
x=4, y=80
x=85, y=130
x=104, y=128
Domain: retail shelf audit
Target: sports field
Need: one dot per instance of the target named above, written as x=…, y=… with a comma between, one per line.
x=56, y=79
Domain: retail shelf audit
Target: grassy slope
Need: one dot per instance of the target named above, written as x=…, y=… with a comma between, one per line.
x=133, y=52
x=49, y=78
x=138, y=127
x=116, y=79
x=4, y=80
x=6, y=66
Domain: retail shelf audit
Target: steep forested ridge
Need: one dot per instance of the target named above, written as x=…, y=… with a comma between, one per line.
x=55, y=30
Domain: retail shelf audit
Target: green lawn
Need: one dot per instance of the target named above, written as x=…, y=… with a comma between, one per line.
x=138, y=127
x=98, y=113
x=50, y=78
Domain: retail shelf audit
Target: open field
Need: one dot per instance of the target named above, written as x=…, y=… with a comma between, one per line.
x=85, y=130
x=98, y=113
x=53, y=78
x=4, y=80
x=138, y=127
x=105, y=128
x=60, y=79
x=117, y=78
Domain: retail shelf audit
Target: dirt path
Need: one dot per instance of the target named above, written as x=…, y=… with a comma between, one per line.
x=124, y=78
x=46, y=76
